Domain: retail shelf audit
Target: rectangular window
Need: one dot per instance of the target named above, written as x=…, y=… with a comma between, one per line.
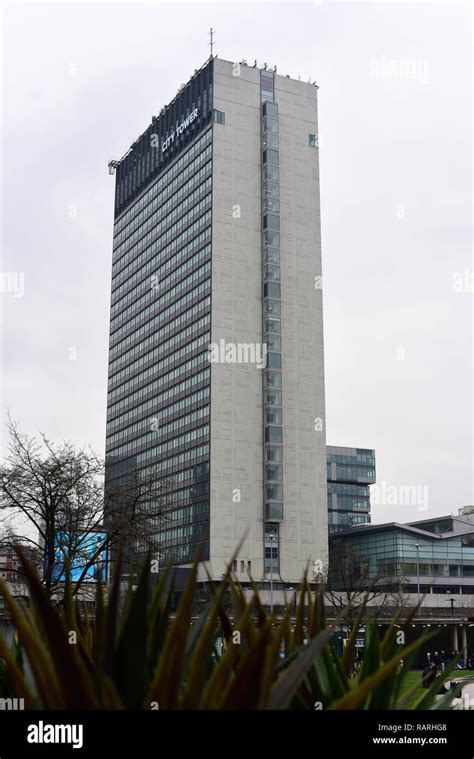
x=242, y=567
x=270, y=221
x=266, y=86
x=273, y=379
x=273, y=416
x=271, y=172
x=271, y=188
x=249, y=567
x=274, y=472
x=272, y=307
x=274, y=454
x=273, y=325
x=270, y=125
x=218, y=116
x=273, y=435
x=274, y=512
x=271, y=290
x=273, y=344
x=271, y=239
x=274, y=492
x=234, y=565
x=272, y=255
x=271, y=156
x=270, y=140
x=271, y=272
x=272, y=205
x=273, y=397
x=313, y=141
x=274, y=360
x=270, y=109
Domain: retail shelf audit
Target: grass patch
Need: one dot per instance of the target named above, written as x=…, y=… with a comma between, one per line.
x=414, y=678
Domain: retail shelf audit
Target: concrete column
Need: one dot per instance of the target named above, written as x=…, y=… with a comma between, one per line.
x=454, y=636
x=464, y=643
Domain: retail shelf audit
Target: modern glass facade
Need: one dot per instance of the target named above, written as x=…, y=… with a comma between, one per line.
x=159, y=377
x=443, y=562
x=350, y=472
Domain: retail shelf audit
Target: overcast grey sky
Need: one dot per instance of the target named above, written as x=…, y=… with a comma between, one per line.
x=81, y=81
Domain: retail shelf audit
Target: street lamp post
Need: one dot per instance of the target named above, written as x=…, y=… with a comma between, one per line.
x=417, y=547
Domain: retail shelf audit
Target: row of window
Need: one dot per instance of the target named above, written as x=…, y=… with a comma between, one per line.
x=195, y=365
x=349, y=489
x=351, y=472
x=353, y=503
x=173, y=358
x=138, y=308
x=243, y=565
x=162, y=278
x=467, y=590
x=167, y=346
x=176, y=499
x=196, y=473
x=127, y=352
x=166, y=222
x=361, y=457
x=186, y=553
x=181, y=184
x=426, y=570
x=148, y=256
x=164, y=231
x=175, y=206
x=180, y=459
x=165, y=315
x=192, y=513
x=179, y=408
x=346, y=519
x=159, y=450
x=148, y=407
x=157, y=423
x=162, y=263
x=174, y=170
x=185, y=533
x=171, y=428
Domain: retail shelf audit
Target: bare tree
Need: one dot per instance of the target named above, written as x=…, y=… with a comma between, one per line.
x=349, y=584
x=56, y=492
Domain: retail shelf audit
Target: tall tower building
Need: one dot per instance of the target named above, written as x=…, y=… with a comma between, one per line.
x=216, y=361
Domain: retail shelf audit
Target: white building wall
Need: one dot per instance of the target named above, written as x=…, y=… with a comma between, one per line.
x=236, y=389
x=304, y=530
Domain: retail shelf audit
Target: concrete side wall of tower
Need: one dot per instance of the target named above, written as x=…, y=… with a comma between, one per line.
x=236, y=389
x=304, y=529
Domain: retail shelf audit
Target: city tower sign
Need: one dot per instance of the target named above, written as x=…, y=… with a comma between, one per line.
x=179, y=130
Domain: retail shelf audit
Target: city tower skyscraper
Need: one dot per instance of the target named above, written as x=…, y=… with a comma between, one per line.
x=216, y=358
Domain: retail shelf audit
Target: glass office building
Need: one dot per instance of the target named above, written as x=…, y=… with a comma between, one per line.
x=438, y=554
x=217, y=242
x=350, y=472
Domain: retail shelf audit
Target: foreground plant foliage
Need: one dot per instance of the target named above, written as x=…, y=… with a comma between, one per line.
x=137, y=655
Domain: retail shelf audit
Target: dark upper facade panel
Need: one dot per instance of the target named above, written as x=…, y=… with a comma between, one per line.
x=145, y=158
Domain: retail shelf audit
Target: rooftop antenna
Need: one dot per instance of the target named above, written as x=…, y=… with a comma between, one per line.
x=211, y=40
